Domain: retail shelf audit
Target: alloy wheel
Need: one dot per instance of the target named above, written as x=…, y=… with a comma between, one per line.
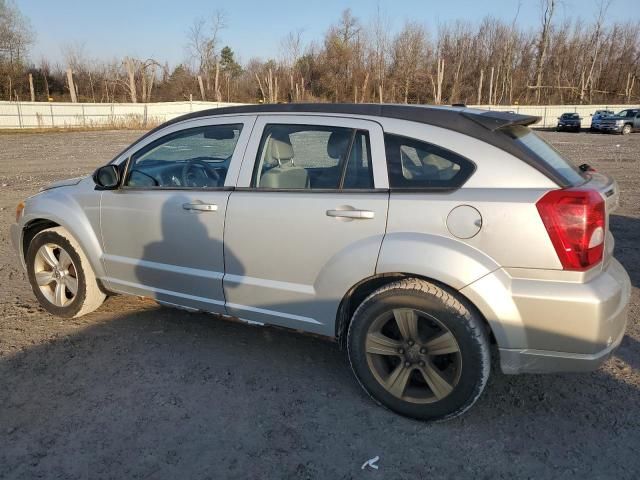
x=414, y=356
x=55, y=274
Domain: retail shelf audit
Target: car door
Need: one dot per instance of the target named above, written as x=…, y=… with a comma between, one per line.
x=162, y=230
x=306, y=220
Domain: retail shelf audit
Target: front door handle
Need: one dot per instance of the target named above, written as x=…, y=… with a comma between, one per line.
x=200, y=207
x=356, y=214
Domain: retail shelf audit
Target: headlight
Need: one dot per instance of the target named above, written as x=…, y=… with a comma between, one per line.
x=19, y=211
x=619, y=122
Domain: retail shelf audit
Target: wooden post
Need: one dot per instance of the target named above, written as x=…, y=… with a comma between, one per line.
x=33, y=93
x=479, y=102
x=72, y=86
x=131, y=73
x=217, y=83
x=491, y=87
x=200, y=84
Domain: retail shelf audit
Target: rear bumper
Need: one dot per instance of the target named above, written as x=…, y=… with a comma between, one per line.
x=543, y=361
x=545, y=325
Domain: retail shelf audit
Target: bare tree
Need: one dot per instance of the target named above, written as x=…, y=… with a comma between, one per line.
x=548, y=8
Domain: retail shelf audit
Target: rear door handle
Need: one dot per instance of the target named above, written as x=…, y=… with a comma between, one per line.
x=357, y=214
x=201, y=207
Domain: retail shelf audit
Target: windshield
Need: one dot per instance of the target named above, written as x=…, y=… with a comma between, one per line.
x=569, y=115
x=545, y=153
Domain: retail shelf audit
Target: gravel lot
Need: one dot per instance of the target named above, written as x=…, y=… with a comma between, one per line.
x=138, y=391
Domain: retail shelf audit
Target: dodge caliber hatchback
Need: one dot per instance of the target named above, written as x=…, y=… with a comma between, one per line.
x=418, y=237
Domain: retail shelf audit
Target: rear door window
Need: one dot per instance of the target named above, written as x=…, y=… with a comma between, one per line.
x=313, y=157
x=413, y=164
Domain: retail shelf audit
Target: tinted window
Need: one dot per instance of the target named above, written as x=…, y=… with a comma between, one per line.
x=628, y=113
x=545, y=153
x=415, y=164
x=312, y=157
x=195, y=158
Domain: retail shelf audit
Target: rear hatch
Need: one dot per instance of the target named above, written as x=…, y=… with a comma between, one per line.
x=547, y=159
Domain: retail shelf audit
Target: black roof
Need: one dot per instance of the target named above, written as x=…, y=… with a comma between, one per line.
x=453, y=118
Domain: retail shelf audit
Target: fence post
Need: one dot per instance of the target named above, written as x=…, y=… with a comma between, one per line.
x=51, y=111
x=19, y=113
x=84, y=119
x=544, y=122
x=113, y=118
x=144, y=122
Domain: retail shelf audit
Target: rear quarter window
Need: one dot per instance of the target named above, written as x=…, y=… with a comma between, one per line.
x=414, y=164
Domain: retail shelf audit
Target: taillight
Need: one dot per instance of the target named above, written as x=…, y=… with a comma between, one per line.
x=575, y=221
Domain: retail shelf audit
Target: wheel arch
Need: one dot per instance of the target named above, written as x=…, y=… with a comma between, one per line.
x=361, y=290
x=77, y=226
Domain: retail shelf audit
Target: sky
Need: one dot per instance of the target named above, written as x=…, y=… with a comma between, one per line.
x=158, y=28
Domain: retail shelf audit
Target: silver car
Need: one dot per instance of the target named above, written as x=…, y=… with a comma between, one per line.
x=418, y=237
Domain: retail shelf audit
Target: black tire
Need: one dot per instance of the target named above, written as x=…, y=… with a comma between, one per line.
x=88, y=296
x=450, y=312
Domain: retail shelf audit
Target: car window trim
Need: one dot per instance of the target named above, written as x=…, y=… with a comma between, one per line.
x=311, y=190
x=347, y=157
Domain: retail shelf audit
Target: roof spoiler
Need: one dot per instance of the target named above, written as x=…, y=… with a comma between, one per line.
x=494, y=120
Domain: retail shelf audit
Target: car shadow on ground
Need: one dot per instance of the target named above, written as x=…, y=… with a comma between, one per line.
x=164, y=393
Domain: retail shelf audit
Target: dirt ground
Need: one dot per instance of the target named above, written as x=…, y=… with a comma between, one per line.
x=138, y=391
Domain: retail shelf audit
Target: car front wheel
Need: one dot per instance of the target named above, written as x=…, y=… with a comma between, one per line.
x=626, y=130
x=60, y=274
x=419, y=350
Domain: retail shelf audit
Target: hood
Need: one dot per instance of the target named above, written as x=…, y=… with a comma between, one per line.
x=63, y=183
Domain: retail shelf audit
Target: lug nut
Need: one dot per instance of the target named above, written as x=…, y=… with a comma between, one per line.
x=410, y=343
x=407, y=364
x=423, y=350
x=421, y=364
x=401, y=351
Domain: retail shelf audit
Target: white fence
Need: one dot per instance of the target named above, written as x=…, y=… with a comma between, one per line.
x=550, y=113
x=65, y=115
x=47, y=115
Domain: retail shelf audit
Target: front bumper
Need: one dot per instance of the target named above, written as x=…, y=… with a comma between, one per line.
x=545, y=325
x=611, y=128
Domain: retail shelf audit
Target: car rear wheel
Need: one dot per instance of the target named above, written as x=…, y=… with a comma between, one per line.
x=60, y=274
x=418, y=350
x=626, y=129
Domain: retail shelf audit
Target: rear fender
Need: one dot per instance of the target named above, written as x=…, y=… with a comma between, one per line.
x=443, y=259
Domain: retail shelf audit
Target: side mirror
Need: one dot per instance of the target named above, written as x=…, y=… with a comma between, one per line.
x=107, y=177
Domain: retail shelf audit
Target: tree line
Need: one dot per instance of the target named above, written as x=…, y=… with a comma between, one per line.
x=491, y=62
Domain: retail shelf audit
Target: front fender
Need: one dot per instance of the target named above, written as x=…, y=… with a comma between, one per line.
x=77, y=209
x=443, y=259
